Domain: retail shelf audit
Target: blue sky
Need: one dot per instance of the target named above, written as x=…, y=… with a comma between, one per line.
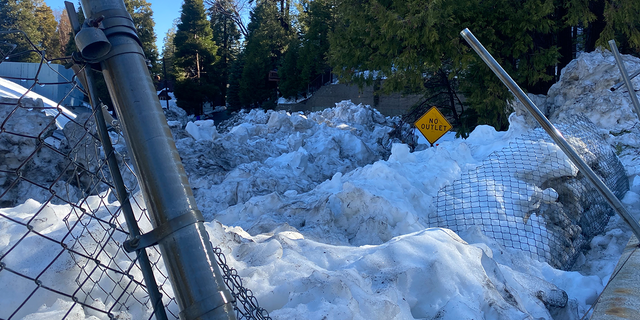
x=164, y=12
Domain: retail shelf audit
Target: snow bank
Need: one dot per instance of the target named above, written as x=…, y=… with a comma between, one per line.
x=529, y=195
x=267, y=151
x=94, y=271
x=427, y=274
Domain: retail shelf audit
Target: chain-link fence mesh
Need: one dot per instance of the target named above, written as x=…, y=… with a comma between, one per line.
x=61, y=252
x=529, y=196
x=61, y=226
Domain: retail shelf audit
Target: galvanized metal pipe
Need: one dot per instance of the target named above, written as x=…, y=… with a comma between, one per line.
x=188, y=255
x=123, y=198
x=86, y=77
x=625, y=77
x=552, y=131
x=620, y=84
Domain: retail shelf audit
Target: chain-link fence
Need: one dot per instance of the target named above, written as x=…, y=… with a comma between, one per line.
x=62, y=227
x=531, y=197
x=61, y=251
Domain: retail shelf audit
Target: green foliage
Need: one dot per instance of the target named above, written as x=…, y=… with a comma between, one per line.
x=316, y=22
x=623, y=25
x=292, y=83
x=233, y=93
x=306, y=56
x=36, y=20
x=265, y=45
x=142, y=16
x=47, y=28
x=409, y=42
x=227, y=36
x=168, y=53
x=193, y=59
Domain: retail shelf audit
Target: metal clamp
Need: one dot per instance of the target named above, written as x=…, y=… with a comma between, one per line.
x=156, y=235
x=95, y=37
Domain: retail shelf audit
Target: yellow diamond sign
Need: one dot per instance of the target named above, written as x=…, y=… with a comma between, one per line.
x=433, y=125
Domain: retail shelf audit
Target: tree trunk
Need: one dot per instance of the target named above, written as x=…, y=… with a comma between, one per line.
x=565, y=42
x=596, y=27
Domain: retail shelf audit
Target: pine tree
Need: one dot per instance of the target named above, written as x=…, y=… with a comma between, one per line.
x=317, y=21
x=64, y=29
x=47, y=29
x=622, y=24
x=306, y=57
x=168, y=54
x=194, y=57
x=292, y=83
x=265, y=45
x=227, y=36
x=21, y=15
x=233, y=93
x=142, y=15
x=409, y=43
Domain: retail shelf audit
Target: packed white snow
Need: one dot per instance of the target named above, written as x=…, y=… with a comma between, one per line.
x=324, y=216
x=9, y=89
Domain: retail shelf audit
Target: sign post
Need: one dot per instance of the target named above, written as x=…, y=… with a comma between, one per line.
x=433, y=125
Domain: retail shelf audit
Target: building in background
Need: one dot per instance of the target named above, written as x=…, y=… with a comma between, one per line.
x=53, y=81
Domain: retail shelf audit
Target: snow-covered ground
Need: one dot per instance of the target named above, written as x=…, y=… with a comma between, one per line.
x=325, y=215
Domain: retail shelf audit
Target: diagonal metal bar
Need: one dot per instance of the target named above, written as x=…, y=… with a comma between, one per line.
x=552, y=131
x=625, y=77
x=620, y=84
x=125, y=204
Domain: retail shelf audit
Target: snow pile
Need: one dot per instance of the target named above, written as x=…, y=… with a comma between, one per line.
x=377, y=204
x=95, y=273
x=428, y=274
x=29, y=166
x=269, y=151
x=584, y=89
x=176, y=116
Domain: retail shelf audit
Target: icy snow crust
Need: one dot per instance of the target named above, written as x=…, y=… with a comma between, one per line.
x=324, y=216
x=270, y=151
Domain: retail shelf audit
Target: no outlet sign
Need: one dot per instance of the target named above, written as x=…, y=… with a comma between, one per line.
x=433, y=125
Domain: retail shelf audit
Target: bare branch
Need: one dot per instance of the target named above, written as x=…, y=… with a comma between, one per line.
x=234, y=9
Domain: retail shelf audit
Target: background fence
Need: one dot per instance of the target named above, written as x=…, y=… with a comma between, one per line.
x=62, y=227
x=531, y=197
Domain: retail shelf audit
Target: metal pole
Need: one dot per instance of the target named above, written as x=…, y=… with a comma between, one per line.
x=625, y=77
x=620, y=84
x=86, y=77
x=552, y=131
x=125, y=204
x=178, y=224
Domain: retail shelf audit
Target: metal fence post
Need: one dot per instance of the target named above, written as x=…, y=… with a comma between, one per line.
x=552, y=131
x=86, y=77
x=178, y=224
